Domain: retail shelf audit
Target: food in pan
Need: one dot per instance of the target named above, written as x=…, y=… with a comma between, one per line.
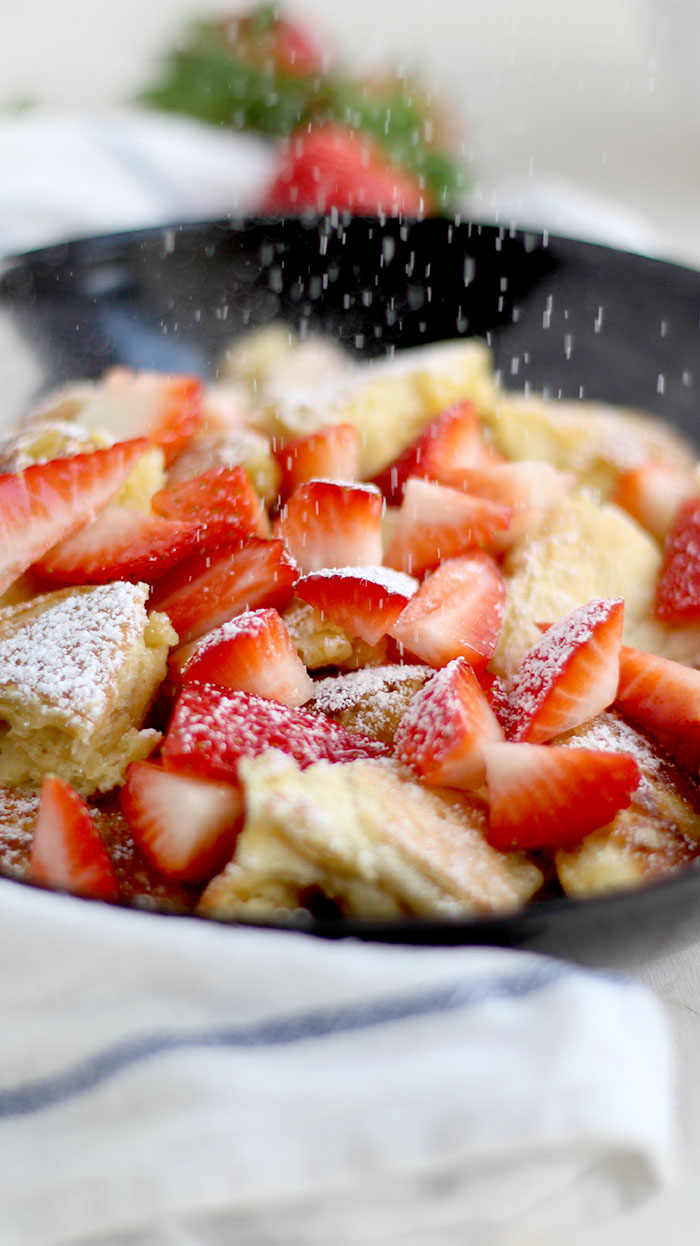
x=328, y=637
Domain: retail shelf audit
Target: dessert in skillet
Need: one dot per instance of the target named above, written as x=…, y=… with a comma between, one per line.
x=322, y=636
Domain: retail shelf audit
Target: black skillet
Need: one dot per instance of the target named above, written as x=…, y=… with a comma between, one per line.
x=566, y=317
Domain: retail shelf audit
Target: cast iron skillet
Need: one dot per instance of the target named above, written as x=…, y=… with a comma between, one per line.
x=566, y=317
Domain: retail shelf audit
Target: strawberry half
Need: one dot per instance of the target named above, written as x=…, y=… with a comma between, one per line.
x=47, y=502
x=254, y=653
x=364, y=601
x=663, y=698
x=653, y=492
x=457, y=612
x=207, y=589
x=165, y=409
x=453, y=440
x=543, y=796
x=211, y=729
x=442, y=733
x=67, y=852
x=434, y=523
x=331, y=166
x=331, y=453
x=330, y=523
x=221, y=500
x=185, y=826
x=678, y=590
x=569, y=675
x=120, y=544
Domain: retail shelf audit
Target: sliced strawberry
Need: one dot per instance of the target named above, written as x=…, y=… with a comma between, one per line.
x=186, y=826
x=331, y=453
x=207, y=589
x=165, y=409
x=496, y=694
x=120, y=544
x=211, y=729
x=435, y=522
x=457, y=612
x=67, y=852
x=451, y=441
x=663, y=698
x=254, y=653
x=331, y=166
x=442, y=733
x=221, y=500
x=528, y=488
x=570, y=674
x=49, y=501
x=364, y=601
x=678, y=590
x=328, y=523
x=544, y=796
x=653, y=492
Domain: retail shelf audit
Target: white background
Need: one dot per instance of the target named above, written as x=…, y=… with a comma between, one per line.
x=602, y=93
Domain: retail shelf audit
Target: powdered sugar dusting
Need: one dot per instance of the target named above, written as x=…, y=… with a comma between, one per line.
x=393, y=582
x=341, y=692
x=428, y=726
x=248, y=623
x=68, y=655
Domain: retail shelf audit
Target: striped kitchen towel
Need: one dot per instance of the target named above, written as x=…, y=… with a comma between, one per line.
x=173, y=1082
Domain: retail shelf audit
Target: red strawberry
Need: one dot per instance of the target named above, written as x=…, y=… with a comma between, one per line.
x=331, y=453
x=528, y=488
x=569, y=675
x=221, y=500
x=543, y=796
x=435, y=523
x=272, y=43
x=364, y=601
x=67, y=852
x=207, y=589
x=331, y=166
x=678, y=590
x=663, y=698
x=165, y=409
x=253, y=653
x=457, y=612
x=442, y=733
x=186, y=826
x=211, y=729
x=328, y=523
x=453, y=440
x=653, y=492
x=495, y=692
x=120, y=544
x=49, y=501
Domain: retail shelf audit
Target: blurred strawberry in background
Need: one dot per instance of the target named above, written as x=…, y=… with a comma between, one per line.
x=357, y=143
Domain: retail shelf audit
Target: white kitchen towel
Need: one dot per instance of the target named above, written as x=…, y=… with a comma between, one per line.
x=170, y=1080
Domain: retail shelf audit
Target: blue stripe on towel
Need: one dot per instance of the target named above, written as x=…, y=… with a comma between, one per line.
x=35, y=1096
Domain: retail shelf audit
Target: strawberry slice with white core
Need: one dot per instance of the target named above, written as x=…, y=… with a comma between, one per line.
x=331, y=453
x=212, y=728
x=548, y=796
x=452, y=440
x=434, y=523
x=678, y=589
x=443, y=732
x=330, y=523
x=222, y=500
x=165, y=409
x=570, y=674
x=67, y=851
x=457, y=612
x=120, y=544
x=47, y=502
x=186, y=826
x=207, y=589
x=364, y=601
x=529, y=488
x=663, y=698
x=653, y=492
x=254, y=653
